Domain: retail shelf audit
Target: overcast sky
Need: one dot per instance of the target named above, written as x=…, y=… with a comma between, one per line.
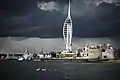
x=45, y=18
x=20, y=19
x=19, y=44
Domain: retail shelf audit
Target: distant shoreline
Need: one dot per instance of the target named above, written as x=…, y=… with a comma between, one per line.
x=67, y=61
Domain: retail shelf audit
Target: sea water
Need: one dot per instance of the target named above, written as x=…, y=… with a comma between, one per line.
x=58, y=70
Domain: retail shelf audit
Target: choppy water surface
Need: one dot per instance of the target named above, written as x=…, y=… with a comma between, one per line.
x=58, y=70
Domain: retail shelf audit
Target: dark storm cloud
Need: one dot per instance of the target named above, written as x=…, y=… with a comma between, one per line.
x=27, y=18
x=16, y=7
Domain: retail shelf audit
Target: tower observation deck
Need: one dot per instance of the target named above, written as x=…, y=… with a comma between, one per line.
x=67, y=31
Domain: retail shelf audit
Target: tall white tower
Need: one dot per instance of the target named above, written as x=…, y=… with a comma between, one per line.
x=67, y=31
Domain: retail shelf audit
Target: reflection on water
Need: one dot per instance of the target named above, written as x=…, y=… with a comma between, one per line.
x=58, y=70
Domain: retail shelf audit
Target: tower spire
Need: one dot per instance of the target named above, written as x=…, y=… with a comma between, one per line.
x=69, y=9
x=67, y=31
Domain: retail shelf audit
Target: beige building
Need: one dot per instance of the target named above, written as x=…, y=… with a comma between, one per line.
x=108, y=53
x=90, y=52
x=67, y=55
x=96, y=52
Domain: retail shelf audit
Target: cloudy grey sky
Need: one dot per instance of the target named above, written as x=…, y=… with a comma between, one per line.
x=94, y=21
x=19, y=44
x=44, y=18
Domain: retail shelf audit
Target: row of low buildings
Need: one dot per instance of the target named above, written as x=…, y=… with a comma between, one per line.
x=92, y=52
x=89, y=52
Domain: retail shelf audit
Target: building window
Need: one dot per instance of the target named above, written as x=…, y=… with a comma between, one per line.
x=103, y=50
x=105, y=56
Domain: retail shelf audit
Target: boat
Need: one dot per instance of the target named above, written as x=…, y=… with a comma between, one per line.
x=11, y=57
x=37, y=60
x=2, y=58
x=20, y=59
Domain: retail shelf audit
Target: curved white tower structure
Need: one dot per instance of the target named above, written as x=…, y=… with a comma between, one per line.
x=67, y=31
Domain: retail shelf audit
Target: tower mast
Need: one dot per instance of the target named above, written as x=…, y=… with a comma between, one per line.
x=69, y=10
x=67, y=31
